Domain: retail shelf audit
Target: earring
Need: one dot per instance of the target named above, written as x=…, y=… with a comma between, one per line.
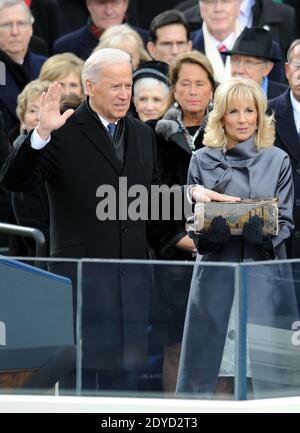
x=210, y=106
x=176, y=105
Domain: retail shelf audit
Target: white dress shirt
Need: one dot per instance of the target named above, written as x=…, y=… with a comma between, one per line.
x=296, y=111
x=246, y=15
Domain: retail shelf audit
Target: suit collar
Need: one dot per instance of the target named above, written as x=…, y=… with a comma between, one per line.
x=95, y=132
x=198, y=40
x=286, y=128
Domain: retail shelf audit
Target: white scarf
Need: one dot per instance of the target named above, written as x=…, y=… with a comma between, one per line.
x=221, y=71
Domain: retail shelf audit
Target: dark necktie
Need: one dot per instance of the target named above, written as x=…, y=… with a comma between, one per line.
x=112, y=129
x=222, y=48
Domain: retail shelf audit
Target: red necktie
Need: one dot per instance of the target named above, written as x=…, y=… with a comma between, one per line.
x=28, y=2
x=221, y=49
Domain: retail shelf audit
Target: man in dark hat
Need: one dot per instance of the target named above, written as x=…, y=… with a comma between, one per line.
x=252, y=57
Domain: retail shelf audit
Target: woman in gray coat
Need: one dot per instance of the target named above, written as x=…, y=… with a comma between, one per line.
x=238, y=159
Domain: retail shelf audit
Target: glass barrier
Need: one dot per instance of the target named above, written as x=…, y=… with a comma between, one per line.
x=272, y=290
x=149, y=328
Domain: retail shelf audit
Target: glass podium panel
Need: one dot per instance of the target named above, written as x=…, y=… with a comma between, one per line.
x=150, y=328
x=37, y=339
x=273, y=346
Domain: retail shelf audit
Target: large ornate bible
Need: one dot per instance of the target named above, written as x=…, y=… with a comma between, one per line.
x=236, y=215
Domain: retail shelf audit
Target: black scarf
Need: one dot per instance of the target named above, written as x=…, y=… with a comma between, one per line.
x=119, y=141
x=20, y=73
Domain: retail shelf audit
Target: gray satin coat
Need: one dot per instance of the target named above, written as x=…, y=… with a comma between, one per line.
x=247, y=173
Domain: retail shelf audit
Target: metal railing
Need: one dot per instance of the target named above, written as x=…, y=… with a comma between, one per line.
x=30, y=232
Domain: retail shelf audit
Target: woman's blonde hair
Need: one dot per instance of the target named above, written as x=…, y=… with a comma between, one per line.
x=239, y=89
x=30, y=92
x=61, y=65
x=117, y=36
x=193, y=58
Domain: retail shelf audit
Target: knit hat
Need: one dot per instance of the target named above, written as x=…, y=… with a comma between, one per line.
x=152, y=69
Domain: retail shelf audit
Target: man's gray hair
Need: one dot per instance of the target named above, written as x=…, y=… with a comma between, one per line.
x=99, y=59
x=291, y=49
x=10, y=3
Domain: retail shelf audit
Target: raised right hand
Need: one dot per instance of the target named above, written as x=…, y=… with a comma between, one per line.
x=50, y=117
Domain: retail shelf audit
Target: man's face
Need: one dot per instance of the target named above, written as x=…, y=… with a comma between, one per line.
x=111, y=94
x=107, y=13
x=250, y=67
x=220, y=16
x=292, y=71
x=171, y=41
x=15, y=31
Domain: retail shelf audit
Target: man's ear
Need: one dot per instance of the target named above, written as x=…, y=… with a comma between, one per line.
x=190, y=45
x=151, y=49
x=287, y=70
x=268, y=67
x=89, y=86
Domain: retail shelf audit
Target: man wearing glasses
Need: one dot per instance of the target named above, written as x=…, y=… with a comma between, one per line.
x=168, y=36
x=20, y=65
x=252, y=57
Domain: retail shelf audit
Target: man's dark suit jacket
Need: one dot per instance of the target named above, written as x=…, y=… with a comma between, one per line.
x=9, y=92
x=46, y=24
x=275, y=89
x=296, y=5
x=73, y=14
x=279, y=18
x=287, y=139
x=79, y=159
x=140, y=13
x=277, y=73
x=82, y=42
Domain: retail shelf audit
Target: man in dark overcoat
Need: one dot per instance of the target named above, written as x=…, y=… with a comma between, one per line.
x=286, y=108
x=81, y=155
x=18, y=65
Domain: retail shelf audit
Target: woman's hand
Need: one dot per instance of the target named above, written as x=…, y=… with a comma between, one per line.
x=50, y=117
x=253, y=234
x=199, y=193
x=215, y=237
